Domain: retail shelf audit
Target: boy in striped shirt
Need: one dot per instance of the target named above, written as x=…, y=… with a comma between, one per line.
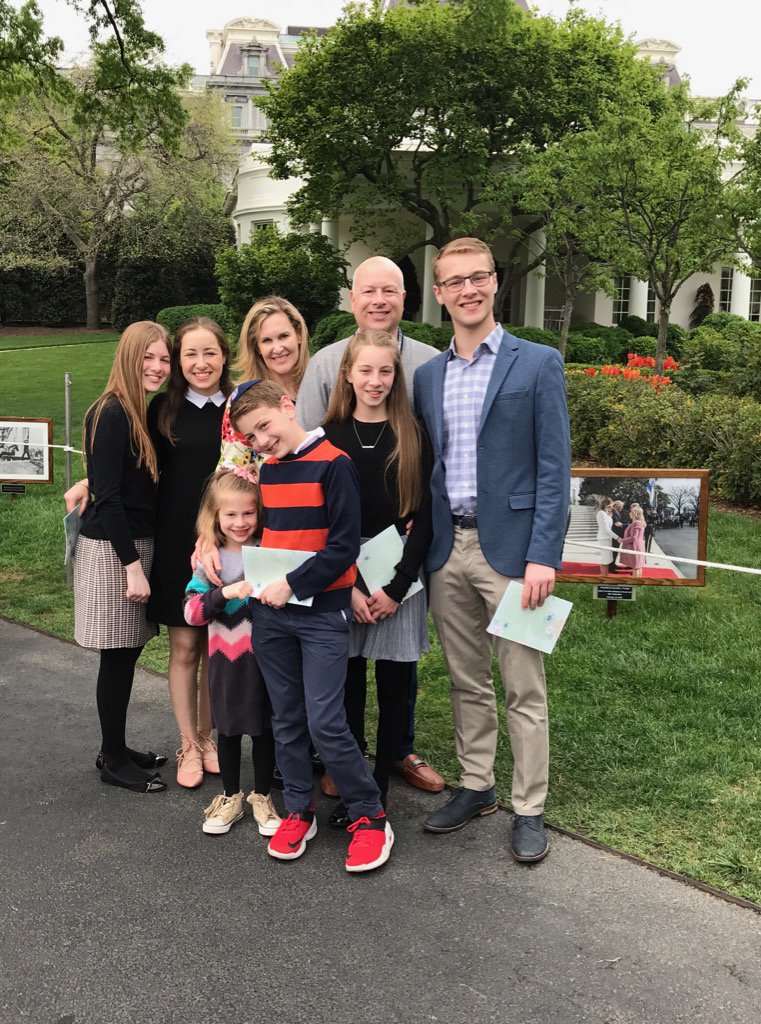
x=310, y=494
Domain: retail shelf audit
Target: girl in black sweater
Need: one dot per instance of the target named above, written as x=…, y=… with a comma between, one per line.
x=113, y=557
x=369, y=417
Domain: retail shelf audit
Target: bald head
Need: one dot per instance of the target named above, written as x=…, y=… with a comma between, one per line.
x=377, y=294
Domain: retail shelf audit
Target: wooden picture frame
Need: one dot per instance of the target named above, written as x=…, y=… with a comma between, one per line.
x=26, y=455
x=676, y=525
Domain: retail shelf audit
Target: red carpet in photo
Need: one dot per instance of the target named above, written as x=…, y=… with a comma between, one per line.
x=593, y=569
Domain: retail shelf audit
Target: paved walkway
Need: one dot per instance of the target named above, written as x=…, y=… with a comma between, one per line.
x=116, y=909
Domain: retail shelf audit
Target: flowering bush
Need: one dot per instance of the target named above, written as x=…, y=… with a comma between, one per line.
x=633, y=371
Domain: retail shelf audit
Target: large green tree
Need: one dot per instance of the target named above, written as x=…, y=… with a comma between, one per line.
x=665, y=179
x=425, y=107
x=82, y=141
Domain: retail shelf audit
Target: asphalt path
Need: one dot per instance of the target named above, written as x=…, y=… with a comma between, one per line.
x=117, y=909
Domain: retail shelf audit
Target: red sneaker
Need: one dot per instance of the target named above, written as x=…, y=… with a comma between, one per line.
x=290, y=840
x=370, y=845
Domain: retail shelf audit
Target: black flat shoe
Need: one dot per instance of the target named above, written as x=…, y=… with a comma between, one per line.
x=155, y=784
x=146, y=760
x=340, y=817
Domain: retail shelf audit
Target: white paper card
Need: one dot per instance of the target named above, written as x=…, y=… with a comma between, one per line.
x=377, y=558
x=262, y=566
x=539, y=628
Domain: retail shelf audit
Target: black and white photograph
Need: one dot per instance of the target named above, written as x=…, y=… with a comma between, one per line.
x=25, y=452
x=626, y=526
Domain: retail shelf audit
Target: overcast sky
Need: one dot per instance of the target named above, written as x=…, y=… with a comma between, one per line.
x=719, y=42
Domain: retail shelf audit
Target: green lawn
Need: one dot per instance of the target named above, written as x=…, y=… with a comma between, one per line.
x=14, y=342
x=656, y=733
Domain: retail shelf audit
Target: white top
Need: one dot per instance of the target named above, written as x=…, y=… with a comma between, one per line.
x=201, y=400
x=311, y=436
x=605, y=530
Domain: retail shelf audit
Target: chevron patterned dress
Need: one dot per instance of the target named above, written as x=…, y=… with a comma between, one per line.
x=239, y=701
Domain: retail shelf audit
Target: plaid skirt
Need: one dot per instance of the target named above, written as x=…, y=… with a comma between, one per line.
x=103, y=617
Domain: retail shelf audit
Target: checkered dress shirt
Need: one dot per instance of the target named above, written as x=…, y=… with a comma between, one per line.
x=465, y=384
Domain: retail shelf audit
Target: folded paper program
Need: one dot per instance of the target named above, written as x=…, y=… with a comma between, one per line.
x=262, y=566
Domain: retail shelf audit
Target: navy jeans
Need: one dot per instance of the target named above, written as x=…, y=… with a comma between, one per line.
x=303, y=656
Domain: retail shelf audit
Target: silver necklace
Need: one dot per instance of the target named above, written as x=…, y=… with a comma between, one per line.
x=368, y=447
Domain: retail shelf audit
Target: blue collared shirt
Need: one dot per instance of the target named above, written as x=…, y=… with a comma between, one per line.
x=465, y=384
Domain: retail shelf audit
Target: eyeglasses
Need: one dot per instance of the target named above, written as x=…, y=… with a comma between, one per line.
x=456, y=284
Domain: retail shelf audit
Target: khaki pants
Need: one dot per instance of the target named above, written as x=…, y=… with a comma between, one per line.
x=465, y=593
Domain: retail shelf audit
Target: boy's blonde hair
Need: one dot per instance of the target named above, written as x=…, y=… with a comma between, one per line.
x=264, y=393
x=224, y=480
x=462, y=245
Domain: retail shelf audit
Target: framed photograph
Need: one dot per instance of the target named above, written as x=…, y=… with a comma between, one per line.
x=646, y=512
x=25, y=453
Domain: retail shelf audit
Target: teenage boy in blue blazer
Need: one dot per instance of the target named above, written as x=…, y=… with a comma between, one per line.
x=495, y=408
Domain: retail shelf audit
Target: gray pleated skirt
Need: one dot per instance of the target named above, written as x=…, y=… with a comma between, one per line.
x=103, y=617
x=400, y=637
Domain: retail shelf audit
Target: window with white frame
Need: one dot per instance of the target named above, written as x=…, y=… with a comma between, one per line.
x=237, y=107
x=725, y=291
x=253, y=65
x=621, y=299
x=754, y=310
x=650, y=304
x=258, y=119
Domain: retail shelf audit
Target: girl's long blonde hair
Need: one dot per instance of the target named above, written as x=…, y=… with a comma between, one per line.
x=407, y=453
x=250, y=363
x=635, y=511
x=125, y=384
x=207, y=523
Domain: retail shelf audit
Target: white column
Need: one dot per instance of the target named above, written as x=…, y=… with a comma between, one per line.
x=315, y=227
x=330, y=230
x=637, y=297
x=740, y=302
x=533, y=310
x=431, y=313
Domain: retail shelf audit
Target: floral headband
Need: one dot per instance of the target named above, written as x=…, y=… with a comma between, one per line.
x=245, y=474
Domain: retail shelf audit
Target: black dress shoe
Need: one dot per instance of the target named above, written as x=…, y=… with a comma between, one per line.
x=145, y=760
x=462, y=805
x=154, y=784
x=529, y=841
x=340, y=817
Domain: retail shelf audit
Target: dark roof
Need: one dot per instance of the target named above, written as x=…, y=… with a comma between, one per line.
x=671, y=75
x=300, y=30
x=233, y=61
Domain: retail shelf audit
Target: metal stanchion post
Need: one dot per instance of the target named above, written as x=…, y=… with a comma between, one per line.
x=67, y=453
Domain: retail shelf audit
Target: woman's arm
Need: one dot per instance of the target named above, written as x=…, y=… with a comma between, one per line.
x=107, y=450
x=421, y=535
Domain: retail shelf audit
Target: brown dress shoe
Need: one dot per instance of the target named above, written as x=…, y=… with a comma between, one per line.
x=327, y=785
x=418, y=773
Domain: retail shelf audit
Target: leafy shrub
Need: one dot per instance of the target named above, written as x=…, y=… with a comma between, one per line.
x=305, y=269
x=745, y=378
x=147, y=283
x=332, y=328
x=644, y=346
x=700, y=382
x=174, y=316
x=596, y=351
x=639, y=328
x=622, y=422
x=536, y=334
x=719, y=321
x=619, y=334
x=706, y=349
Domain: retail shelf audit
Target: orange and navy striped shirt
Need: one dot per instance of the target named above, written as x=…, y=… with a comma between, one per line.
x=311, y=503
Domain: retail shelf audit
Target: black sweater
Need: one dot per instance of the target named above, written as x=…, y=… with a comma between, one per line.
x=124, y=495
x=379, y=499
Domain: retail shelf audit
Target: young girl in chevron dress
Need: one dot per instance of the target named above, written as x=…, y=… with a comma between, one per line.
x=229, y=517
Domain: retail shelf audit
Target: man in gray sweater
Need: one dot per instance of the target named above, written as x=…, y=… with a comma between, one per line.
x=377, y=301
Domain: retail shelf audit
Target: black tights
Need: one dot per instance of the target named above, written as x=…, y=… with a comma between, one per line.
x=262, y=754
x=393, y=680
x=115, y=676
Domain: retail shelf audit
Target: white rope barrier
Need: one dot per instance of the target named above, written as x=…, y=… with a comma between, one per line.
x=665, y=558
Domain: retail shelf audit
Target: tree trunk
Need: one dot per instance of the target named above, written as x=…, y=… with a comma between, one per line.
x=565, y=323
x=91, y=293
x=660, y=349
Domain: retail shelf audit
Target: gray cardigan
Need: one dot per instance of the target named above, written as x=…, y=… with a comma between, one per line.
x=322, y=371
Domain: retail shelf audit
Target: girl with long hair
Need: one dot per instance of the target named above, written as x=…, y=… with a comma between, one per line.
x=634, y=541
x=113, y=557
x=369, y=417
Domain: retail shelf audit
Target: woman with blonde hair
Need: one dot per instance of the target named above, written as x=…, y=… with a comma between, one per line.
x=273, y=345
x=114, y=552
x=634, y=541
x=369, y=417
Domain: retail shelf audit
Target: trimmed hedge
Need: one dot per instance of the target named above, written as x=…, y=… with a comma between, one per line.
x=629, y=423
x=174, y=316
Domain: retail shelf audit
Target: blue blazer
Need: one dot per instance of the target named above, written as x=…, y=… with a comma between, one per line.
x=523, y=458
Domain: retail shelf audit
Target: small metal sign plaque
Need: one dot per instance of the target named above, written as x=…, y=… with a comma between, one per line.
x=615, y=592
x=13, y=488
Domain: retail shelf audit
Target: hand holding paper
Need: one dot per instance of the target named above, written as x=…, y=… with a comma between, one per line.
x=377, y=558
x=539, y=629
x=265, y=566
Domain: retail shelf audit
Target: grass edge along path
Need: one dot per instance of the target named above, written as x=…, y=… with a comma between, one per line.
x=655, y=731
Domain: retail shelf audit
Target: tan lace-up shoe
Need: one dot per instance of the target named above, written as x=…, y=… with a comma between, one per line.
x=222, y=813
x=209, y=753
x=189, y=764
x=267, y=818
